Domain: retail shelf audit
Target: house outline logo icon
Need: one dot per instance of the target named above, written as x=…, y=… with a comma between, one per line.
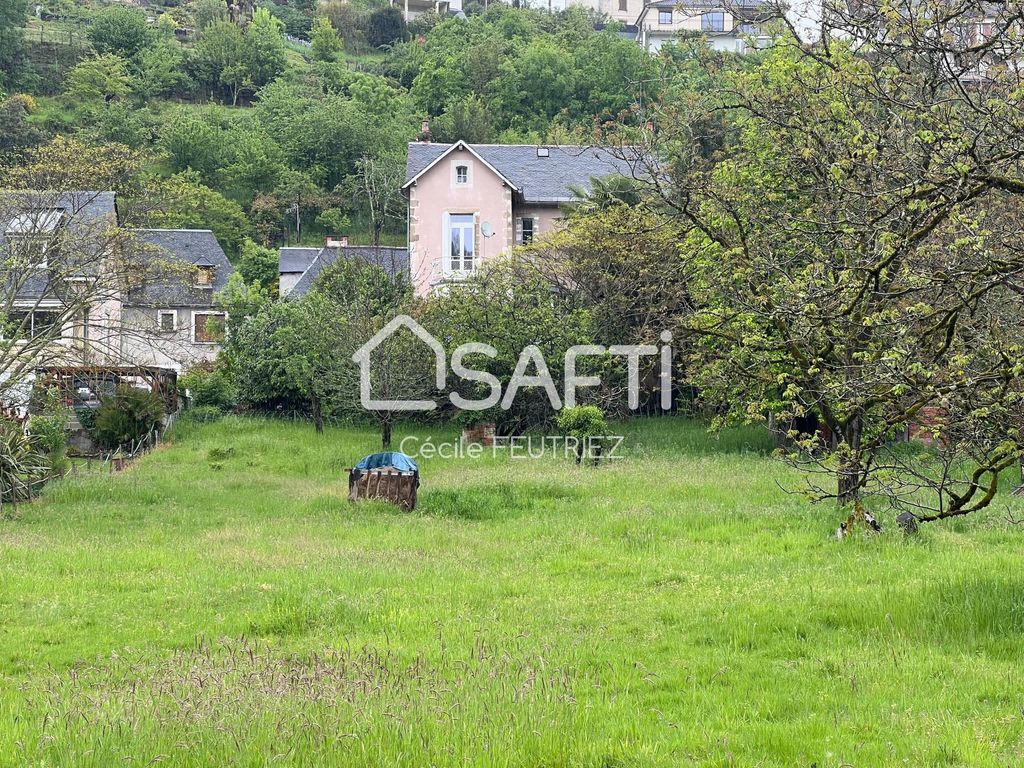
x=362, y=356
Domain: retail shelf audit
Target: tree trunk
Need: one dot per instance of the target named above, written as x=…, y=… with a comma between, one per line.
x=851, y=465
x=385, y=431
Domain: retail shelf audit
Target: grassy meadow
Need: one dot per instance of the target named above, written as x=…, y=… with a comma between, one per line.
x=222, y=603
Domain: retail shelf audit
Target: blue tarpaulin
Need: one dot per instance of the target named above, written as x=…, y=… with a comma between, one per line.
x=395, y=459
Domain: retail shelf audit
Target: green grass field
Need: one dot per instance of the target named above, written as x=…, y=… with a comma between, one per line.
x=222, y=603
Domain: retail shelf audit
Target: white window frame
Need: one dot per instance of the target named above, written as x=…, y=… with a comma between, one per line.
x=664, y=13
x=192, y=325
x=446, y=239
x=160, y=314
x=462, y=163
x=534, y=229
x=50, y=309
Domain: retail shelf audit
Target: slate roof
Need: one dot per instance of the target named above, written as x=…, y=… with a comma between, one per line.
x=170, y=253
x=82, y=214
x=394, y=261
x=295, y=260
x=537, y=179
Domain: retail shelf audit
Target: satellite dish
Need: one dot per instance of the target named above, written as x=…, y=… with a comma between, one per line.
x=486, y=229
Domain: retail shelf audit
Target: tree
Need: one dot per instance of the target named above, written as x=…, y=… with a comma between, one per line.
x=375, y=187
x=259, y=265
x=16, y=132
x=192, y=142
x=219, y=59
x=386, y=26
x=206, y=12
x=120, y=30
x=264, y=48
x=326, y=44
x=846, y=265
x=160, y=69
x=13, y=15
x=97, y=81
x=184, y=201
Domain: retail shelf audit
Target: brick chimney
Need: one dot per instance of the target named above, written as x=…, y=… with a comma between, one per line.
x=425, y=136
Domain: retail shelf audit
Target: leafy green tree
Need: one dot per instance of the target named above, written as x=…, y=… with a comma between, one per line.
x=539, y=84
x=386, y=26
x=160, y=69
x=184, y=201
x=264, y=48
x=16, y=132
x=255, y=163
x=191, y=142
x=467, y=119
x=219, y=59
x=259, y=265
x=326, y=45
x=96, y=81
x=120, y=30
x=13, y=15
x=206, y=12
x=851, y=258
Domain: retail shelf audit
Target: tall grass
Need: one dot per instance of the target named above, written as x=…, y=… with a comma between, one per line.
x=222, y=603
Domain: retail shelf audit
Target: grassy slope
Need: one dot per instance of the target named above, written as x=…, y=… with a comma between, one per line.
x=675, y=608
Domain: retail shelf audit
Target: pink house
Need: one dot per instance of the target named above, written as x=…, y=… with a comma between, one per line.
x=472, y=202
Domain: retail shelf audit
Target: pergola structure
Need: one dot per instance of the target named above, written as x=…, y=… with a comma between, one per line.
x=78, y=384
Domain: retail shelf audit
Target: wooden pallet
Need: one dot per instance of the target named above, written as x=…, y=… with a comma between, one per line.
x=385, y=483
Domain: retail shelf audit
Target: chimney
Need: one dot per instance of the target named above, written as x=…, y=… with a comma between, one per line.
x=336, y=242
x=425, y=136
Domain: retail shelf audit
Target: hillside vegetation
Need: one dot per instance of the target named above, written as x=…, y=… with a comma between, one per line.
x=296, y=119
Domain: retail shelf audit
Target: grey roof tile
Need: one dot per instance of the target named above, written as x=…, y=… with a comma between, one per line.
x=84, y=214
x=173, y=286
x=394, y=261
x=292, y=260
x=548, y=179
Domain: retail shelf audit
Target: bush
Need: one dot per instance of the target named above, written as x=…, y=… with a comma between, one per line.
x=583, y=422
x=20, y=463
x=49, y=430
x=209, y=386
x=386, y=26
x=128, y=416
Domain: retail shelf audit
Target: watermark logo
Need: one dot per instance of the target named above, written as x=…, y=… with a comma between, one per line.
x=530, y=357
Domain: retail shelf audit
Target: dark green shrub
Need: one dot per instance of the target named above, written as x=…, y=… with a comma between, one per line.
x=129, y=415
x=584, y=423
x=49, y=430
x=20, y=463
x=209, y=386
x=386, y=26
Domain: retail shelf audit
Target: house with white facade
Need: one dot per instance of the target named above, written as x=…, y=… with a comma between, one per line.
x=729, y=27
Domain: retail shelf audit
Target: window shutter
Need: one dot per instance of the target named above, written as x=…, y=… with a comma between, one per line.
x=519, y=229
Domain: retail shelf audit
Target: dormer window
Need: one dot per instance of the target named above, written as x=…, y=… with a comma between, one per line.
x=462, y=174
x=33, y=235
x=204, y=276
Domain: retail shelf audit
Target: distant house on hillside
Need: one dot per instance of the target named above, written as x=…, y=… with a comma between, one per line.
x=170, y=318
x=298, y=268
x=472, y=202
x=413, y=8
x=731, y=27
